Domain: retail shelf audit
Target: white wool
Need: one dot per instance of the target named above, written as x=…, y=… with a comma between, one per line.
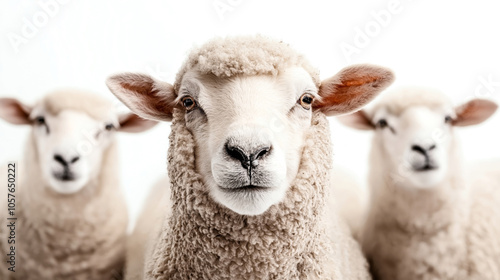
x=349, y=198
x=141, y=241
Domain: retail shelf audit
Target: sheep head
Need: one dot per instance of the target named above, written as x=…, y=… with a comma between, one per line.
x=71, y=130
x=414, y=133
x=248, y=104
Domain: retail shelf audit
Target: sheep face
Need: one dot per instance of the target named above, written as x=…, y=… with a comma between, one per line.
x=70, y=133
x=249, y=129
x=414, y=142
x=69, y=147
x=417, y=144
x=250, y=133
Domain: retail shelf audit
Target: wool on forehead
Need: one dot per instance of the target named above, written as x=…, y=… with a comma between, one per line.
x=244, y=55
x=400, y=99
x=92, y=104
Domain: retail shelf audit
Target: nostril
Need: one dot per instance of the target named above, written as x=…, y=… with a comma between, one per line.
x=75, y=159
x=60, y=159
x=432, y=147
x=237, y=153
x=261, y=153
x=418, y=149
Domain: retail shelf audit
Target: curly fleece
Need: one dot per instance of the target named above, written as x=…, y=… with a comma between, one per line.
x=295, y=239
x=61, y=237
x=244, y=55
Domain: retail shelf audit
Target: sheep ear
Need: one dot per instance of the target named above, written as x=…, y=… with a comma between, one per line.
x=474, y=112
x=14, y=111
x=134, y=124
x=145, y=96
x=352, y=88
x=357, y=120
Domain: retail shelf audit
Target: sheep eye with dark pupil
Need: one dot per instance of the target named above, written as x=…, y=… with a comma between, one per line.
x=40, y=120
x=188, y=103
x=306, y=100
x=382, y=123
x=109, y=127
x=448, y=119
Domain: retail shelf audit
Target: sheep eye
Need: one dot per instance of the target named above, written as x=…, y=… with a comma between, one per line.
x=109, y=127
x=40, y=120
x=188, y=103
x=448, y=119
x=306, y=100
x=382, y=123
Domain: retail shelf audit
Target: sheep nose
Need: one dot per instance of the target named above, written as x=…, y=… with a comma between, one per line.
x=421, y=150
x=247, y=159
x=64, y=162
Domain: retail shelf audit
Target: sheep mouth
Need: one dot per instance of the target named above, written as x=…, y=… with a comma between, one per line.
x=425, y=168
x=247, y=188
x=65, y=176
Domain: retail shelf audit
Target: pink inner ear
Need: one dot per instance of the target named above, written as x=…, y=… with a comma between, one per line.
x=145, y=96
x=144, y=86
x=352, y=88
x=13, y=111
x=474, y=112
x=358, y=120
x=133, y=123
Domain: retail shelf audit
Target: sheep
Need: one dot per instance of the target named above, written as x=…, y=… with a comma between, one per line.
x=249, y=162
x=71, y=214
x=428, y=218
x=141, y=241
x=349, y=199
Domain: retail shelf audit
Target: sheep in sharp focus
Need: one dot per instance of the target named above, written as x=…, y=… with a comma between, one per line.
x=429, y=218
x=249, y=163
x=71, y=214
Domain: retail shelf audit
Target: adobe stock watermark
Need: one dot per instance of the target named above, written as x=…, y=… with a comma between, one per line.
x=274, y=126
x=86, y=147
x=222, y=7
x=487, y=87
x=31, y=25
x=364, y=35
x=159, y=73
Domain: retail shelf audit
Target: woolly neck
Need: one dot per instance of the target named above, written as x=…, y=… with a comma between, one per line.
x=204, y=240
x=417, y=210
x=409, y=229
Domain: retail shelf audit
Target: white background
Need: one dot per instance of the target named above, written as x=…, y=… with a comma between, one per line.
x=451, y=45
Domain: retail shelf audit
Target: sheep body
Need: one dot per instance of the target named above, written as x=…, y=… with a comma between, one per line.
x=80, y=236
x=484, y=227
x=438, y=240
x=349, y=199
x=141, y=242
